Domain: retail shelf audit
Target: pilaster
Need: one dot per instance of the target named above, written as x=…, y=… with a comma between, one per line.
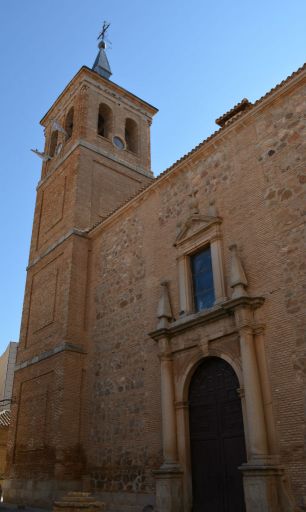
x=169, y=492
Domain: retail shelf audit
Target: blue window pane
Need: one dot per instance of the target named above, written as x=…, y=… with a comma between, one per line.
x=204, y=301
x=202, y=280
x=201, y=261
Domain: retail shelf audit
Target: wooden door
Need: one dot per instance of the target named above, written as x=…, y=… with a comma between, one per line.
x=216, y=438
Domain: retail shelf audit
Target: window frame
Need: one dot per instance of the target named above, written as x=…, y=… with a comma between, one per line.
x=192, y=274
x=207, y=233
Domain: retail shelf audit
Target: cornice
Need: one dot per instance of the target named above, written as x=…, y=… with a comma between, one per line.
x=189, y=321
x=214, y=314
x=57, y=243
x=92, y=147
x=249, y=302
x=118, y=94
x=86, y=72
x=203, y=223
x=62, y=347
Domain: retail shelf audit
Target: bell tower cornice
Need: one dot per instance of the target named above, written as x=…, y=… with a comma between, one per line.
x=87, y=76
x=103, y=115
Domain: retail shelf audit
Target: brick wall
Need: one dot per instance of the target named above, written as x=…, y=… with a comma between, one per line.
x=253, y=172
x=88, y=379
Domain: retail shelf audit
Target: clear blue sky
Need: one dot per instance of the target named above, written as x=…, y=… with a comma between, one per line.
x=191, y=59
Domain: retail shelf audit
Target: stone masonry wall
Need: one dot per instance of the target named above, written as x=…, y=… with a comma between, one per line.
x=124, y=386
x=254, y=172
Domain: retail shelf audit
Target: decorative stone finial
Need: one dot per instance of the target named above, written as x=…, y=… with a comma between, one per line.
x=238, y=280
x=179, y=226
x=164, y=312
x=101, y=64
x=193, y=203
x=212, y=210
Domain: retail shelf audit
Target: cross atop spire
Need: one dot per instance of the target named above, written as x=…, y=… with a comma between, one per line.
x=101, y=64
x=105, y=28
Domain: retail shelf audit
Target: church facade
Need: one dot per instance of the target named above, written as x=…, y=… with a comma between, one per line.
x=161, y=363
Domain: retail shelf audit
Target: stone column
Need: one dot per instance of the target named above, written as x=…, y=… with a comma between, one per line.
x=265, y=483
x=183, y=444
x=184, y=291
x=260, y=476
x=242, y=306
x=217, y=266
x=168, y=411
x=266, y=390
x=258, y=447
x=169, y=496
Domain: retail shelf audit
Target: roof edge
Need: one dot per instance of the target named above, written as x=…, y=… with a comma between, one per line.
x=109, y=83
x=256, y=106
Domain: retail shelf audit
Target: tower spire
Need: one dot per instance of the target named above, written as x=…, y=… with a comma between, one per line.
x=101, y=64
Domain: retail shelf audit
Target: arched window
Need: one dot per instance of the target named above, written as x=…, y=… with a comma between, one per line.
x=104, y=120
x=131, y=135
x=53, y=143
x=69, y=123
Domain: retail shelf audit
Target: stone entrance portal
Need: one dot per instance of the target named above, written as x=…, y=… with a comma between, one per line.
x=216, y=438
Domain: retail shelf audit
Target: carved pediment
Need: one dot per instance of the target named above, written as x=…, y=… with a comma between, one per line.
x=194, y=225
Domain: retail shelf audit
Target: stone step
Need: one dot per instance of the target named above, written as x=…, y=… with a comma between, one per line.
x=78, y=502
x=79, y=494
x=81, y=499
x=128, y=508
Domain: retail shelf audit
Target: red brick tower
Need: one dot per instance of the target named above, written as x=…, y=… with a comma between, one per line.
x=97, y=155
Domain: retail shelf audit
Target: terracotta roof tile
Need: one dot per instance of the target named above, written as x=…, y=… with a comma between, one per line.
x=283, y=82
x=243, y=106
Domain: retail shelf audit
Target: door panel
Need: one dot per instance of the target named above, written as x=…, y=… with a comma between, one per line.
x=216, y=438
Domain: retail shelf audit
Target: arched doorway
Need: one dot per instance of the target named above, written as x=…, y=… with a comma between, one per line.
x=216, y=438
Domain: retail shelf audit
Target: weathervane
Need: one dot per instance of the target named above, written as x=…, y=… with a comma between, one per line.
x=102, y=34
x=101, y=64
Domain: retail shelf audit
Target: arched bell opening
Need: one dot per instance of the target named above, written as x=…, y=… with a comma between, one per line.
x=105, y=120
x=53, y=143
x=131, y=135
x=69, y=123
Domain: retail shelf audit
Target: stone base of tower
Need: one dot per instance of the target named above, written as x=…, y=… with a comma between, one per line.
x=37, y=493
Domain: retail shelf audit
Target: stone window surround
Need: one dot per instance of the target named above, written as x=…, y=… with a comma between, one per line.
x=209, y=234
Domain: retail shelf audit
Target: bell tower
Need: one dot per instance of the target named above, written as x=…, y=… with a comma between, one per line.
x=96, y=156
x=106, y=129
